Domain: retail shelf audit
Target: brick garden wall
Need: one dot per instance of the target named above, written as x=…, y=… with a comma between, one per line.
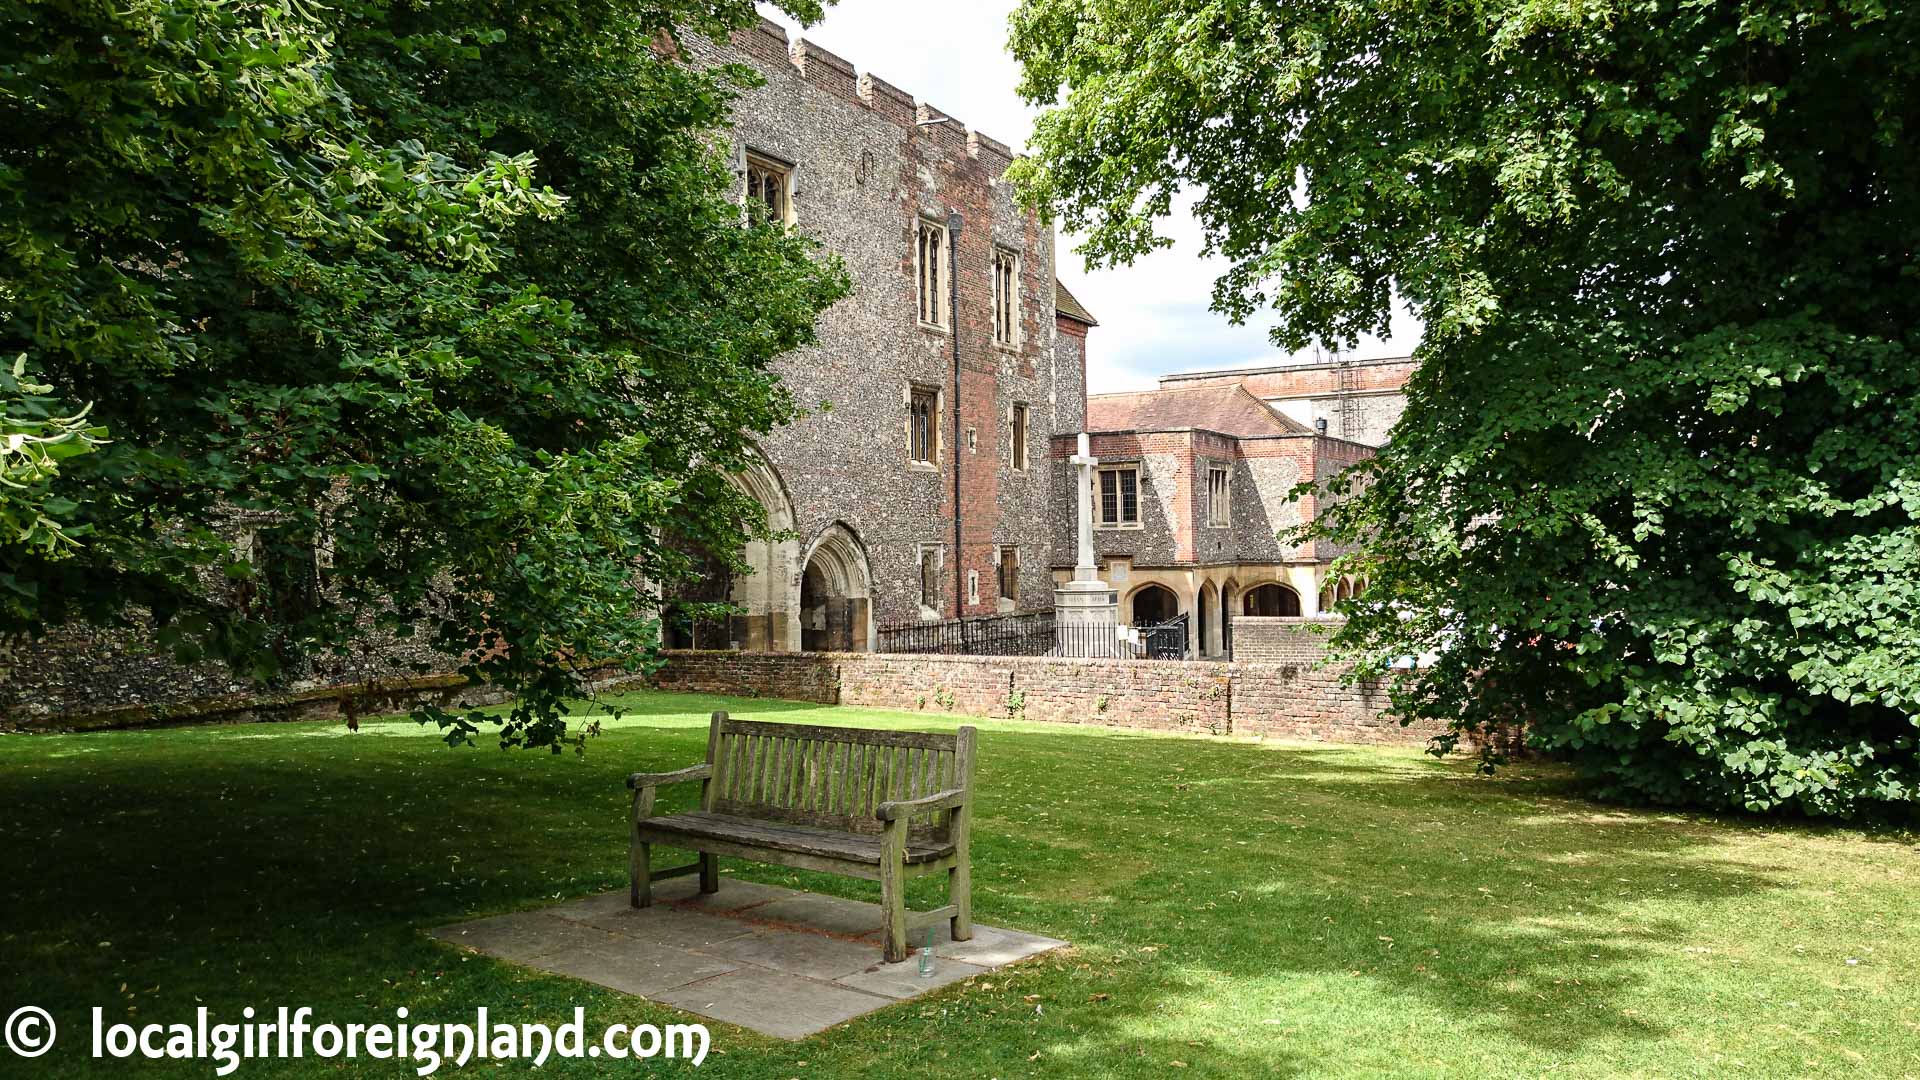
x=1281, y=640
x=1281, y=700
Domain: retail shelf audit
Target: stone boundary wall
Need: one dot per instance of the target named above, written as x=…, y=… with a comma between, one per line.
x=374, y=697
x=1277, y=700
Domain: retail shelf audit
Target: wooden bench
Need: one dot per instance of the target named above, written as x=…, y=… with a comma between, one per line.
x=880, y=805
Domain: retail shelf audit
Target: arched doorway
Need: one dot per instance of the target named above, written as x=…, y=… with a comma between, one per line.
x=1271, y=600
x=835, y=589
x=1153, y=605
x=769, y=615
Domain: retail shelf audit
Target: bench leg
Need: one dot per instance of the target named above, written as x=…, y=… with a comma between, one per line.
x=960, y=895
x=640, y=894
x=639, y=853
x=960, y=875
x=893, y=891
x=709, y=872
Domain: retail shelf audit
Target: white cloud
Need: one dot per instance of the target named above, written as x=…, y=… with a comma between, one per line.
x=1154, y=315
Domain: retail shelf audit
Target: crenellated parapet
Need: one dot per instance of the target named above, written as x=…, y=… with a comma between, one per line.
x=768, y=46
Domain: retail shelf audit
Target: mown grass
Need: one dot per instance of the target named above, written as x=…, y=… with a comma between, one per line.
x=1236, y=908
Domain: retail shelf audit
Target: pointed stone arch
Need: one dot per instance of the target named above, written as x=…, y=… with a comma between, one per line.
x=1229, y=599
x=1152, y=603
x=836, y=593
x=768, y=596
x=1269, y=599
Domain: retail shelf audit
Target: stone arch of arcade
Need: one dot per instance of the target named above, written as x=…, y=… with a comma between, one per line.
x=1151, y=604
x=1270, y=599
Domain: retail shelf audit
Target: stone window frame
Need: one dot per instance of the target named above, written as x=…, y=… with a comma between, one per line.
x=1005, y=555
x=973, y=588
x=935, y=577
x=936, y=446
x=760, y=167
x=1005, y=294
x=929, y=281
x=1099, y=502
x=1220, y=507
x=1019, y=431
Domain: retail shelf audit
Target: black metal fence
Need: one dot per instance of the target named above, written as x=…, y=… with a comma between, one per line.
x=993, y=635
x=1034, y=634
x=1167, y=641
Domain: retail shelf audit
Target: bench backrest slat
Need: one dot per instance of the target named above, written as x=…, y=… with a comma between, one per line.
x=832, y=777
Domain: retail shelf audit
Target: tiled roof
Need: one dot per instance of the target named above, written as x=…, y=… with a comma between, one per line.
x=1229, y=410
x=1065, y=304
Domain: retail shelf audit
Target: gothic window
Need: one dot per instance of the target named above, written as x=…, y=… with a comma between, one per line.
x=929, y=255
x=923, y=425
x=930, y=577
x=1218, y=502
x=1006, y=297
x=1018, y=437
x=1120, y=497
x=1009, y=573
x=769, y=184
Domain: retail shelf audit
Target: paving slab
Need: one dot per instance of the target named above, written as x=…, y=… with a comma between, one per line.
x=902, y=981
x=779, y=961
x=661, y=924
x=783, y=1006
x=734, y=895
x=815, y=956
x=990, y=946
x=832, y=914
x=634, y=967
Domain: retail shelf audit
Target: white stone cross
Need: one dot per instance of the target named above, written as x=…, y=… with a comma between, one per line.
x=1084, y=569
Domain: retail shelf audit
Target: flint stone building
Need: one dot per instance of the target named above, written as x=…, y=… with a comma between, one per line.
x=921, y=492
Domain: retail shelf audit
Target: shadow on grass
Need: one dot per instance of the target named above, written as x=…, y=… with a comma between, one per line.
x=1268, y=888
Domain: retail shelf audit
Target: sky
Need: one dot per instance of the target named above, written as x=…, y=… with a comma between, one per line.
x=1154, y=314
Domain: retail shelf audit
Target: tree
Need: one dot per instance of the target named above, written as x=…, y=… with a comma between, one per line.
x=1654, y=496
x=403, y=319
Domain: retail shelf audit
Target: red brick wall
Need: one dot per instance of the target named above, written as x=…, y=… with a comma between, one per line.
x=1283, y=700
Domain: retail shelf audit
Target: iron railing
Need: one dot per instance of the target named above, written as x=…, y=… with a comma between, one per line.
x=994, y=635
x=1166, y=641
x=1033, y=634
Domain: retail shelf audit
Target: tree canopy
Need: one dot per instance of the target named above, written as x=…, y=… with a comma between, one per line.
x=396, y=319
x=1654, y=496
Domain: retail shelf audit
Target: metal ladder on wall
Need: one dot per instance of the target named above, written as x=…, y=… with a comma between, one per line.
x=1346, y=384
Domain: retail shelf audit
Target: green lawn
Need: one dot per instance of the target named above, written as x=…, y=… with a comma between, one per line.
x=1236, y=908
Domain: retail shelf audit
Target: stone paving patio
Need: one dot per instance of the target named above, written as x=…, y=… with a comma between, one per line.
x=781, y=962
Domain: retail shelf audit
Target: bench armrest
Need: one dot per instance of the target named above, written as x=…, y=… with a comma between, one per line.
x=945, y=800
x=661, y=779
